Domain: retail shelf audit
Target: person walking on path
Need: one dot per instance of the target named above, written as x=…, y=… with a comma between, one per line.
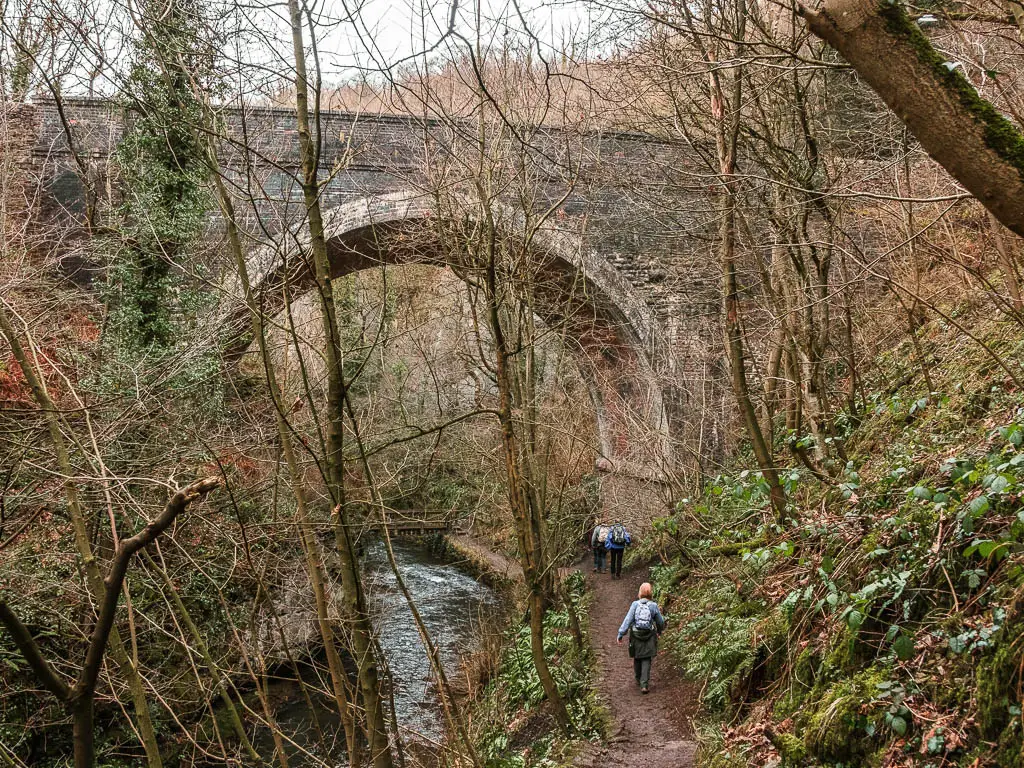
x=644, y=624
x=616, y=542
x=597, y=543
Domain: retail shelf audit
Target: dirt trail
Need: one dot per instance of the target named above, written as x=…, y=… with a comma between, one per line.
x=655, y=730
x=481, y=552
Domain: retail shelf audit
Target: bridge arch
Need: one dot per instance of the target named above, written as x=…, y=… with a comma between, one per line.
x=612, y=331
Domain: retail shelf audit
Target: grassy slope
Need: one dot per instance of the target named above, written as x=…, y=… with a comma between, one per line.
x=882, y=624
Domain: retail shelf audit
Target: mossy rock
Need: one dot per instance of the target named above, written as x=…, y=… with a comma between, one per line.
x=801, y=681
x=1010, y=750
x=834, y=726
x=791, y=750
x=746, y=609
x=998, y=691
x=872, y=541
x=841, y=661
x=805, y=670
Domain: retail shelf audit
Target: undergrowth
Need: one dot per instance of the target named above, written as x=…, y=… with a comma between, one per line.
x=880, y=623
x=513, y=726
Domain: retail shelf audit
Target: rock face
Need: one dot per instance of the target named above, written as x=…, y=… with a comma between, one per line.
x=627, y=249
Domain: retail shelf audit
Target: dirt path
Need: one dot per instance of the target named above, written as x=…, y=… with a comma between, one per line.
x=655, y=730
x=486, y=558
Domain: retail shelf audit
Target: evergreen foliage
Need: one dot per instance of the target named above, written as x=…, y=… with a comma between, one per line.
x=163, y=177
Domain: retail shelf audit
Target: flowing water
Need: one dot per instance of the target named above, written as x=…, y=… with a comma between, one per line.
x=452, y=605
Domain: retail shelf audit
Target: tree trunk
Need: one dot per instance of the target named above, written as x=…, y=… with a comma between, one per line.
x=1008, y=267
x=737, y=363
x=527, y=529
x=362, y=631
x=727, y=135
x=449, y=702
x=82, y=732
x=961, y=131
x=307, y=536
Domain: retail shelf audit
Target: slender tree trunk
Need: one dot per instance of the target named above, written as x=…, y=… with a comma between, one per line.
x=307, y=537
x=530, y=543
x=737, y=363
x=449, y=703
x=220, y=684
x=727, y=135
x=362, y=629
x=849, y=350
x=1006, y=260
x=83, y=733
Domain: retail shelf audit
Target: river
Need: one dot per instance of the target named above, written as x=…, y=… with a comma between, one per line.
x=452, y=604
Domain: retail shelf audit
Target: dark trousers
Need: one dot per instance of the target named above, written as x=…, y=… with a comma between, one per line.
x=600, y=555
x=616, y=561
x=642, y=671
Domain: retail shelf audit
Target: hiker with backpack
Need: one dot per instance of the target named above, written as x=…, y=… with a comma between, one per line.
x=644, y=623
x=616, y=543
x=597, y=543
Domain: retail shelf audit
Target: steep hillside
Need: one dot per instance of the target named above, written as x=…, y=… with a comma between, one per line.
x=880, y=623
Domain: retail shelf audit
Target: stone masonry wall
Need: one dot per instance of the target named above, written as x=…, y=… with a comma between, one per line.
x=642, y=205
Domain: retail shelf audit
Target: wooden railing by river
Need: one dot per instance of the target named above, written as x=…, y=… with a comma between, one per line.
x=417, y=522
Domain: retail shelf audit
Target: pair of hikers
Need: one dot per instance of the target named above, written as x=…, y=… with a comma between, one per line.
x=609, y=541
x=644, y=624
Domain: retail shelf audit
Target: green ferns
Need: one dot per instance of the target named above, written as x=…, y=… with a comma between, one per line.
x=517, y=732
x=721, y=645
x=883, y=624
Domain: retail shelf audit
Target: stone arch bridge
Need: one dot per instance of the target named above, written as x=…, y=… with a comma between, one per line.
x=628, y=248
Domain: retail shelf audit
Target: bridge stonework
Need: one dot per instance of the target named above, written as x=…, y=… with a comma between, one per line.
x=634, y=228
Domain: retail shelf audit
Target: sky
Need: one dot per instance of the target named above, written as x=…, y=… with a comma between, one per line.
x=355, y=38
x=375, y=35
